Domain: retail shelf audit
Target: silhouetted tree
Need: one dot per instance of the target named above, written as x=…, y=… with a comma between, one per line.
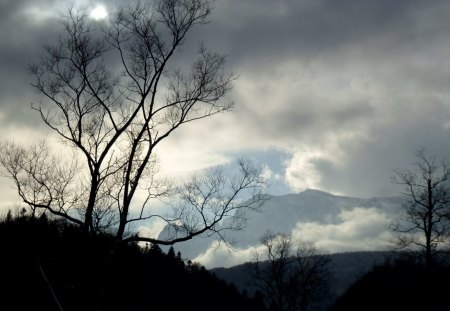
x=44, y=181
x=291, y=275
x=425, y=224
x=114, y=120
x=8, y=216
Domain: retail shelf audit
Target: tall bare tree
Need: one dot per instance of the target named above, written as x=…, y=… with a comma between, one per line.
x=113, y=94
x=291, y=275
x=424, y=227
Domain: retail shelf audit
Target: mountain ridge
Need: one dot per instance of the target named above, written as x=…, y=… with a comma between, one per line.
x=310, y=214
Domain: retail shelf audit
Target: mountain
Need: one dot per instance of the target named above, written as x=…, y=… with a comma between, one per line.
x=334, y=223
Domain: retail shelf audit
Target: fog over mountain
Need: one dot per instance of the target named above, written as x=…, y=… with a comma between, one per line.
x=334, y=223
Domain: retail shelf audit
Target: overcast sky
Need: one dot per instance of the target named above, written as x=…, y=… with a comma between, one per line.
x=331, y=95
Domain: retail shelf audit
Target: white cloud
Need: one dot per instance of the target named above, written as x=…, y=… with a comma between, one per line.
x=359, y=229
x=152, y=230
x=220, y=255
x=267, y=173
x=302, y=172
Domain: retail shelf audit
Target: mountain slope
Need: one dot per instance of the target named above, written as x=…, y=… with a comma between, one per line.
x=335, y=223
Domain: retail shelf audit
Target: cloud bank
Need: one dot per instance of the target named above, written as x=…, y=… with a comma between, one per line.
x=358, y=229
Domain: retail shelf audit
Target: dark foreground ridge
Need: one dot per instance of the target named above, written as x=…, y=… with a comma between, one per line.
x=399, y=286
x=51, y=265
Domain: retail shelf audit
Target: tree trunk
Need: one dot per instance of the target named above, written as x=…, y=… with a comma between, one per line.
x=123, y=219
x=428, y=251
x=121, y=229
x=88, y=219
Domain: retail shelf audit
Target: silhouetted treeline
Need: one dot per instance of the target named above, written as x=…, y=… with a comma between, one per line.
x=52, y=265
x=399, y=286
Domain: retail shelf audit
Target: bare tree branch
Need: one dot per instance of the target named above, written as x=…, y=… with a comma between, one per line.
x=291, y=274
x=208, y=199
x=114, y=120
x=425, y=224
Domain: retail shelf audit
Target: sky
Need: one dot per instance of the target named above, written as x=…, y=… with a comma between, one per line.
x=331, y=95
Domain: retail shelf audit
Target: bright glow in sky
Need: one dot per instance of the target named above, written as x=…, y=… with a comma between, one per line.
x=323, y=100
x=99, y=12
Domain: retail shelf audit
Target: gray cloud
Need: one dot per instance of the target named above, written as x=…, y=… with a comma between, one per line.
x=348, y=89
x=256, y=30
x=24, y=29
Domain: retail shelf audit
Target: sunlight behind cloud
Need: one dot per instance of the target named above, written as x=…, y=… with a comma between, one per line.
x=99, y=12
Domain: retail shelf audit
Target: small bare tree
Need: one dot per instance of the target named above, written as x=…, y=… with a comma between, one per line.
x=425, y=224
x=43, y=181
x=113, y=94
x=290, y=279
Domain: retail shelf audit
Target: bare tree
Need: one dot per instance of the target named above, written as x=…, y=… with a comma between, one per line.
x=290, y=279
x=43, y=181
x=311, y=275
x=425, y=224
x=115, y=116
x=208, y=198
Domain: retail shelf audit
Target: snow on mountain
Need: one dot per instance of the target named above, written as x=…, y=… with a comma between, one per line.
x=334, y=223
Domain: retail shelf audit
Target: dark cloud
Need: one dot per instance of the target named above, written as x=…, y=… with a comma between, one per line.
x=22, y=35
x=254, y=31
x=344, y=90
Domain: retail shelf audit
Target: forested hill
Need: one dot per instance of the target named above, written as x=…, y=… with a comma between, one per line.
x=51, y=265
x=345, y=270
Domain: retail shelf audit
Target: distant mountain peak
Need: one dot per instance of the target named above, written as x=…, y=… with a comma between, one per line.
x=315, y=191
x=320, y=193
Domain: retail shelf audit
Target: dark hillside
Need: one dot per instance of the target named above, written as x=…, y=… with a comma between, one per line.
x=345, y=268
x=400, y=286
x=48, y=262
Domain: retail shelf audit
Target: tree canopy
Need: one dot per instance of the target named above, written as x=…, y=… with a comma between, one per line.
x=112, y=94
